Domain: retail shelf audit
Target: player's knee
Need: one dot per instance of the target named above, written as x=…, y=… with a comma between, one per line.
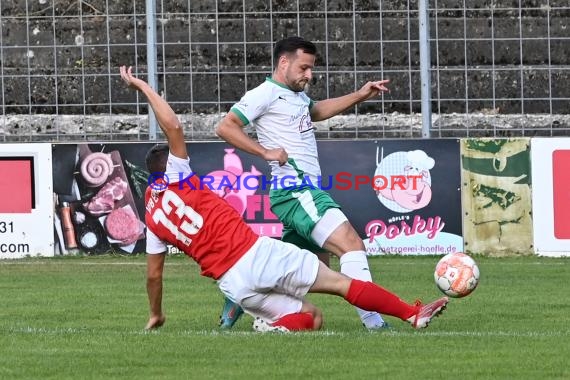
x=330, y=282
x=344, y=239
x=353, y=240
x=317, y=319
x=324, y=257
x=315, y=313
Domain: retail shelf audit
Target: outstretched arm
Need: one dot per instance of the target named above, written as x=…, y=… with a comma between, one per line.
x=231, y=130
x=167, y=119
x=328, y=108
x=154, y=270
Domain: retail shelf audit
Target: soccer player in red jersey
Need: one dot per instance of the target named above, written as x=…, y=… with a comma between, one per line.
x=268, y=278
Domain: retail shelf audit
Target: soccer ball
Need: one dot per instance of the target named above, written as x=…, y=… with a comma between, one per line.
x=456, y=274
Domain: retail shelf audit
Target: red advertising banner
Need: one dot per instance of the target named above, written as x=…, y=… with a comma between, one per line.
x=26, y=203
x=561, y=193
x=551, y=195
x=16, y=173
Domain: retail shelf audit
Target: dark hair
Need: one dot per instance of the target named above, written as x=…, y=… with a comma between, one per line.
x=291, y=45
x=156, y=158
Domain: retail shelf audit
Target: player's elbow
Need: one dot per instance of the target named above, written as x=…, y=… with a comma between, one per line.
x=316, y=115
x=222, y=130
x=218, y=131
x=172, y=124
x=229, y=127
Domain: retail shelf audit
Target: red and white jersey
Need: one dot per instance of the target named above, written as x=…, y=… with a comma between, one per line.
x=191, y=217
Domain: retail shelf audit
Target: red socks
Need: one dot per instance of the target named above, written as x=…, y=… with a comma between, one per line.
x=296, y=321
x=371, y=297
x=363, y=294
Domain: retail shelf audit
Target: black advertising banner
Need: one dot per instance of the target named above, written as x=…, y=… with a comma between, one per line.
x=98, y=196
x=402, y=196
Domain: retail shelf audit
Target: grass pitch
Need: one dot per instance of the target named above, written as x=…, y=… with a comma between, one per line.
x=83, y=317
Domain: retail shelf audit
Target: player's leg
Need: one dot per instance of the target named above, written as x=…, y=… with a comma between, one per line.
x=289, y=235
x=370, y=296
x=334, y=233
x=277, y=312
x=270, y=282
x=231, y=312
x=314, y=215
x=317, y=218
x=324, y=257
x=281, y=275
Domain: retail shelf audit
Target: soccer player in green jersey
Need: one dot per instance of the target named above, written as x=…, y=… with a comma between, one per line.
x=282, y=114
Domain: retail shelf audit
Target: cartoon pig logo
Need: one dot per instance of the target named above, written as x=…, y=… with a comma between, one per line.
x=232, y=183
x=415, y=192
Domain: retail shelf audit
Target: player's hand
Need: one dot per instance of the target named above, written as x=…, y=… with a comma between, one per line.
x=277, y=154
x=155, y=321
x=372, y=89
x=129, y=79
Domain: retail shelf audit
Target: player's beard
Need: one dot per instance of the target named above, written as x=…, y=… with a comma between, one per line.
x=298, y=86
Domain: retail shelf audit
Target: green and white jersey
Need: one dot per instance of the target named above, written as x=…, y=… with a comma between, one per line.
x=282, y=120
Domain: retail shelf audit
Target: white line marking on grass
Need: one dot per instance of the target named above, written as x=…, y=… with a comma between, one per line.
x=111, y=263
x=477, y=334
x=141, y=264
x=528, y=334
x=83, y=263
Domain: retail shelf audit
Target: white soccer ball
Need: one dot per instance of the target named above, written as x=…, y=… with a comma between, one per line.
x=456, y=274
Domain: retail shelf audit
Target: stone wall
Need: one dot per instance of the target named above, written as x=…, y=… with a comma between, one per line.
x=24, y=128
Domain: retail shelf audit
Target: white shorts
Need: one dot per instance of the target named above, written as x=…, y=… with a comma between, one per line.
x=271, y=279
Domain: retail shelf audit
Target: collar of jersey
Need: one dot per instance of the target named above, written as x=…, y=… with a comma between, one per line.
x=269, y=79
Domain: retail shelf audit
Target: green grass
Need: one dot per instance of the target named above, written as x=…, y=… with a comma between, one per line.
x=82, y=317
